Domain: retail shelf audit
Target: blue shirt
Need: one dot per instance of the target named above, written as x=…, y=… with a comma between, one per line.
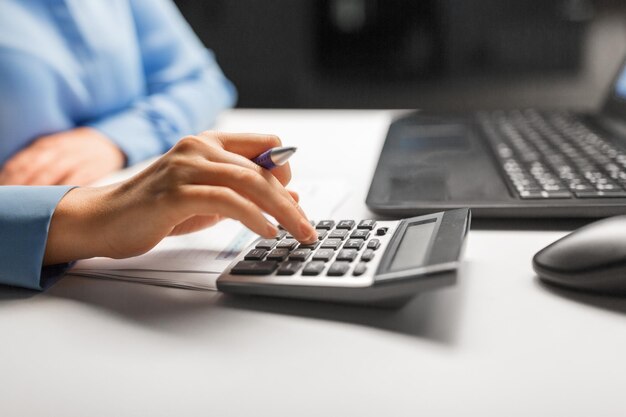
x=132, y=69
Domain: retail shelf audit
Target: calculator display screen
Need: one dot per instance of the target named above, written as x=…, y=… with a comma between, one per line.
x=413, y=249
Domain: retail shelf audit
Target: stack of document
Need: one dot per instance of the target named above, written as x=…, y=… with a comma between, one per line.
x=195, y=261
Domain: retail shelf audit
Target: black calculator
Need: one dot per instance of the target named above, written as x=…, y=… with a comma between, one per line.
x=364, y=262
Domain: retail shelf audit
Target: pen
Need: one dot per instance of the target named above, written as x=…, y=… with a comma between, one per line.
x=275, y=157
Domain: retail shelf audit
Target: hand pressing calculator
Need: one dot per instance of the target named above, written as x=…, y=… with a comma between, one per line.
x=364, y=262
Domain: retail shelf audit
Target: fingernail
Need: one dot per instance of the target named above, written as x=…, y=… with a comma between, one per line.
x=272, y=230
x=305, y=228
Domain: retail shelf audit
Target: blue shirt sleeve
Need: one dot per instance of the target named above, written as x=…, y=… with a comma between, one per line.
x=186, y=89
x=25, y=214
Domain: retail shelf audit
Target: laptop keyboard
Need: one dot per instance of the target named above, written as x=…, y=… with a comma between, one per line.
x=554, y=155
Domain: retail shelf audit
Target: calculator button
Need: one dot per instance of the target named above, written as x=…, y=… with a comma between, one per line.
x=359, y=269
x=325, y=224
x=313, y=268
x=281, y=234
x=287, y=244
x=255, y=255
x=368, y=255
x=338, y=234
x=345, y=224
x=324, y=255
x=321, y=233
x=346, y=255
x=266, y=244
x=353, y=244
x=300, y=255
x=373, y=244
x=254, y=268
x=366, y=224
x=331, y=244
x=382, y=231
x=360, y=234
x=338, y=269
x=289, y=268
x=313, y=245
x=278, y=255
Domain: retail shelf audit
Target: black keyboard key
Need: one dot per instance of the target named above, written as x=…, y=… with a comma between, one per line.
x=266, y=244
x=287, y=244
x=366, y=224
x=289, y=268
x=534, y=195
x=346, y=224
x=324, y=255
x=278, y=255
x=360, y=234
x=373, y=244
x=313, y=245
x=331, y=244
x=338, y=234
x=321, y=233
x=347, y=255
x=359, y=269
x=313, y=268
x=300, y=255
x=353, y=244
x=338, y=269
x=255, y=255
x=281, y=234
x=600, y=194
x=254, y=268
x=381, y=231
x=367, y=255
x=325, y=224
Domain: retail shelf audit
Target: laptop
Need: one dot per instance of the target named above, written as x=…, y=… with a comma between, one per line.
x=514, y=163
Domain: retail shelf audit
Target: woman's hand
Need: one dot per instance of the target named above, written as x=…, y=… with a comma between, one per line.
x=201, y=180
x=77, y=157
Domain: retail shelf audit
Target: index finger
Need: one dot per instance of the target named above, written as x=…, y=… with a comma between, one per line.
x=251, y=145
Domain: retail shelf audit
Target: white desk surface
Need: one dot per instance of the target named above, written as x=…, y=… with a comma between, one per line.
x=499, y=343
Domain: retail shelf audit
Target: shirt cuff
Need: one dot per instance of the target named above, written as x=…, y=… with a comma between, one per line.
x=133, y=133
x=25, y=214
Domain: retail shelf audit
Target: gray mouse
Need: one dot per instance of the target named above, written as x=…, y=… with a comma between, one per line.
x=592, y=258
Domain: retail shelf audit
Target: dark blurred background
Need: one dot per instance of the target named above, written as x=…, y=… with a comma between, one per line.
x=435, y=54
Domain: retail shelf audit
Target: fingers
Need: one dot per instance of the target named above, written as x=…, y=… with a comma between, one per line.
x=34, y=166
x=271, y=198
x=202, y=200
x=249, y=146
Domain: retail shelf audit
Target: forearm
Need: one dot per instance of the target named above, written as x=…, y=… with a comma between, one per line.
x=74, y=228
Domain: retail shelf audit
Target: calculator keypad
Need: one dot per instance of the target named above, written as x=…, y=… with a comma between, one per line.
x=345, y=253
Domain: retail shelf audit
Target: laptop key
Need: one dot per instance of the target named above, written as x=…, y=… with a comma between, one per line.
x=254, y=268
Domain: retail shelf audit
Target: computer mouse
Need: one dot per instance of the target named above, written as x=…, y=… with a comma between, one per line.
x=592, y=258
